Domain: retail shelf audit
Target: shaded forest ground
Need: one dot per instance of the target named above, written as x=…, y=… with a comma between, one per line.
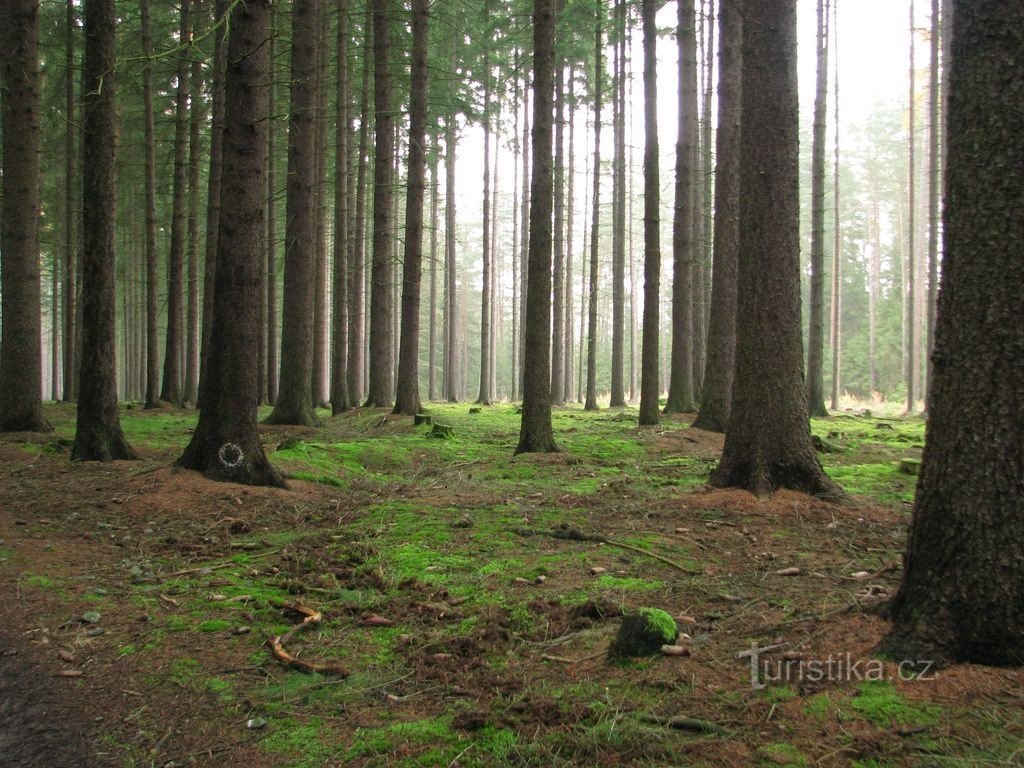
x=466, y=594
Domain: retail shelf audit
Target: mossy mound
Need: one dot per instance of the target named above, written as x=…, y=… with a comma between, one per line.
x=643, y=633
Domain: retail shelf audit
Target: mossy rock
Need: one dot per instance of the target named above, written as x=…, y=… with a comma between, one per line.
x=643, y=633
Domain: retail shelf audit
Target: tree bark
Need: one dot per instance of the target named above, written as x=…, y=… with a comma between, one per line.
x=768, y=442
x=226, y=443
x=716, y=400
x=484, y=394
x=960, y=600
x=381, y=373
x=196, y=120
x=319, y=388
x=535, y=434
x=650, y=385
x=294, y=403
x=407, y=398
x=21, y=402
x=339, y=339
x=684, y=246
x=590, y=404
x=98, y=435
x=171, y=384
x=68, y=288
x=910, y=371
x=558, y=232
x=617, y=396
x=152, y=263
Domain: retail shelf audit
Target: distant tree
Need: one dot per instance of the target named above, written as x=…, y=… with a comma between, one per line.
x=960, y=600
x=294, y=403
x=716, y=393
x=381, y=372
x=407, y=398
x=816, y=308
x=535, y=434
x=487, y=289
x=98, y=435
x=768, y=442
x=910, y=298
x=21, y=406
x=558, y=226
x=650, y=383
x=170, y=387
x=590, y=404
x=226, y=443
x=69, y=299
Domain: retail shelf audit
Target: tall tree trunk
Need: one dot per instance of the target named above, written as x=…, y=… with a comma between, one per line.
x=357, y=283
x=934, y=181
x=21, y=402
x=558, y=233
x=339, y=339
x=226, y=442
x=434, y=224
x=98, y=435
x=270, y=256
x=837, y=240
x=451, y=363
x=483, y=396
x=705, y=211
x=196, y=120
x=768, y=442
x=874, y=275
x=524, y=229
x=684, y=245
x=152, y=263
x=649, y=380
x=816, y=310
x=960, y=600
x=294, y=404
x=213, y=206
x=535, y=434
x=618, y=389
x=516, y=251
x=716, y=400
x=171, y=384
x=68, y=297
x=407, y=398
x=910, y=261
x=319, y=389
x=381, y=374
x=570, y=341
x=590, y=404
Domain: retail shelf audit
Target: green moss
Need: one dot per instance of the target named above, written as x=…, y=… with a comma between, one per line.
x=782, y=754
x=607, y=581
x=643, y=633
x=214, y=625
x=882, y=705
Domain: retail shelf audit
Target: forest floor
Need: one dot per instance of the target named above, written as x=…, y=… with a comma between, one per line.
x=471, y=597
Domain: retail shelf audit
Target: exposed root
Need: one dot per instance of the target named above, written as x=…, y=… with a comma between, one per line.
x=276, y=644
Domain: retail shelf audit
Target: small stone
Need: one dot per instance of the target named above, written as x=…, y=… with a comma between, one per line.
x=685, y=620
x=520, y=580
x=95, y=631
x=255, y=723
x=682, y=638
x=674, y=650
x=540, y=579
x=682, y=530
x=440, y=656
x=377, y=621
x=91, y=617
x=860, y=575
x=597, y=570
x=217, y=598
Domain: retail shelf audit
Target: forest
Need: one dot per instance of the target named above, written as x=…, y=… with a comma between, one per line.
x=511, y=382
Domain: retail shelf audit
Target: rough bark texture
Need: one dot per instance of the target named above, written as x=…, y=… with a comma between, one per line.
x=684, y=245
x=816, y=310
x=590, y=404
x=152, y=263
x=339, y=338
x=381, y=372
x=617, y=394
x=226, y=444
x=196, y=121
x=68, y=290
x=451, y=359
x=716, y=399
x=963, y=582
x=407, y=398
x=650, y=385
x=768, y=442
x=294, y=403
x=171, y=384
x=273, y=354
x=535, y=433
x=319, y=388
x=486, y=332
x=21, y=407
x=98, y=435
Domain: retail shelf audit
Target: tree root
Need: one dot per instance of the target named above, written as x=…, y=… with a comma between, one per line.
x=276, y=644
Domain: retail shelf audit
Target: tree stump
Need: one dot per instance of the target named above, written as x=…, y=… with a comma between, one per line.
x=474, y=410
x=444, y=431
x=910, y=466
x=422, y=418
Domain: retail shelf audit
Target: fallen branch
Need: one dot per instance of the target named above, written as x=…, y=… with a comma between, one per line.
x=574, y=534
x=276, y=644
x=682, y=723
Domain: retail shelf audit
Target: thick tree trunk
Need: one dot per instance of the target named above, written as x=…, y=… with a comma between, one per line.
x=319, y=387
x=68, y=288
x=650, y=385
x=716, y=400
x=213, y=207
x=339, y=339
x=270, y=255
x=381, y=372
x=684, y=245
x=816, y=310
x=516, y=251
x=407, y=398
x=226, y=443
x=152, y=263
x=617, y=395
x=960, y=600
x=558, y=235
x=590, y=404
x=21, y=403
x=535, y=434
x=196, y=120
x=171, y=385
x=98, y=435
x=768, y=442
x=934, y=182
x=294, y=403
